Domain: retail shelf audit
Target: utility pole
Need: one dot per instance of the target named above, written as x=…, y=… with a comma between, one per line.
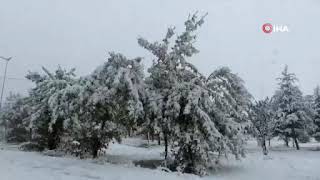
x=2, y=89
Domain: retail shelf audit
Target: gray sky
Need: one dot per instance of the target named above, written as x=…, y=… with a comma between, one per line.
x=79, y=33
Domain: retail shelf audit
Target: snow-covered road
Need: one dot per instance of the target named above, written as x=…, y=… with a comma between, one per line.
x=282, y=164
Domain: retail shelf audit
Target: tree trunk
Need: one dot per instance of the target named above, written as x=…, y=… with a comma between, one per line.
x=30, y=134
x=165, y=145
x=148, y=137
x=95, y=153
x=152, y=137
x=54, y=137
x=95, y=147
x=269, y=142
x=159, y=139
x=295, y=138
x=52, y=141
x=286, y=140
x=293, y=143
x=297, y=144
x=264, y=147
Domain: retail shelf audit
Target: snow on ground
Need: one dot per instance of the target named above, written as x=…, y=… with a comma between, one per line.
x=135, y=149
x=17, y=165
x=282, y=163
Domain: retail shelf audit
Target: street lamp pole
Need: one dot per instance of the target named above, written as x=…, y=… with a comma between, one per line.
x=2, y=89
x=4, y=78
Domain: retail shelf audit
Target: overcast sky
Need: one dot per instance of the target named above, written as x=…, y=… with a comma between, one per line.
x=79, y=33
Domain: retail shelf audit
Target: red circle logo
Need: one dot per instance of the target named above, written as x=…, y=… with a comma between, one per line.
x=267, y=28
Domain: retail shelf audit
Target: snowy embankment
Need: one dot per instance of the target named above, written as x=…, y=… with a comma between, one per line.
x=283, y=163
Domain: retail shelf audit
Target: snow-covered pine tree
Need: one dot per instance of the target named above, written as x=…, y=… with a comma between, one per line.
x=160, y=85
x=72, y=105
x=181, y=105
x=15, y=115
x=262, y=120
x=179, y=100
x=310, y=127
x=233, y=100
x=317, y=113
x=46, y=129
x=101, y=106
x=124, y=78
x=291, y=117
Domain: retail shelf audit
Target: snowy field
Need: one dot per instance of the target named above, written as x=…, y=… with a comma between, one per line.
x=282, y=163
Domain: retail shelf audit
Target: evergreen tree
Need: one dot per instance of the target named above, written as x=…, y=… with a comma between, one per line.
x=181, y=106
x=179, y=100
x=308, y=107
x=229, y=90
x=317, y=113
x=291, y=117
x=46, y=129
x=233, y=101
x=100, y=107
